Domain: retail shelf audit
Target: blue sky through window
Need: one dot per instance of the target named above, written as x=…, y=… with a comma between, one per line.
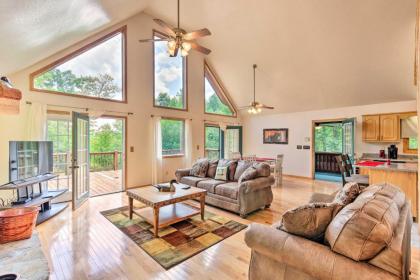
x=168, y=73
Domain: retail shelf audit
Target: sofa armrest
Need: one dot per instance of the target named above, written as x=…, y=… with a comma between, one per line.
x=257, y=184
x=321, y=197
x=307, y=256
x=179, y=173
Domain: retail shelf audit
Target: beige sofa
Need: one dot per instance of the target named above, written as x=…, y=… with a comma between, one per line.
x=279, y=255
x=241, y=198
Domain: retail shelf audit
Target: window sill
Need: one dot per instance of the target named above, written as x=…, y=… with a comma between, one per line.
x=173, y=156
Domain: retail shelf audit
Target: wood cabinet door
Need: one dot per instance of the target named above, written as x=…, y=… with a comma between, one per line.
x=370, y=128
x=390, y=128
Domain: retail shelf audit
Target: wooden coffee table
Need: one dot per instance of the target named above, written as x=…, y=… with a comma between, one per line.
x=164, y=207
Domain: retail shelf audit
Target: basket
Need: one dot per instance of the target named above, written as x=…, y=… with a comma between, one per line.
x=17, y=223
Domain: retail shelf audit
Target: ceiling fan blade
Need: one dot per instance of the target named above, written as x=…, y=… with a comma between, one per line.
x=244, y=107
x=168, y=29
x=267, y=107
x=197, y=34
x=200, y=48
x=153, y=40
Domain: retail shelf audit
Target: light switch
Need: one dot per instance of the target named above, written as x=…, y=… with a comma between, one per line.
x=131, y=149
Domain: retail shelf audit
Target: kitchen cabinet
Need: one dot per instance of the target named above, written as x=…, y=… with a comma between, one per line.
x=370, y=127
x=389, y=128
x=381, y=128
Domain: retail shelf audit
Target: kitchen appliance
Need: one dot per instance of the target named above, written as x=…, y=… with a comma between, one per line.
x=392, y=152
x=382, y=153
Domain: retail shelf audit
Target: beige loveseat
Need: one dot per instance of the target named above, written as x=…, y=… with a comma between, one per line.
x=279, y=255
x=242, y=198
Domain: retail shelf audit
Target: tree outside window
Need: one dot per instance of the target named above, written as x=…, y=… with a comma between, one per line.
x=173, y=132
x=94, y=72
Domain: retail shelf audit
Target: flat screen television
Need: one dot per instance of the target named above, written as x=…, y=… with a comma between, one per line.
x=29, y=159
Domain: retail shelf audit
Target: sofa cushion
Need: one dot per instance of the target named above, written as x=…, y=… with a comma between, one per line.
x=209, y=184
x=199, y=168
x=249, y=174
x=365, y=227
x=222, y=173
x=347, y=194
x=191, y=180
x=311, y=220
x=211, y=171
x=229, y=190
x=240, y=168
x=263, y=169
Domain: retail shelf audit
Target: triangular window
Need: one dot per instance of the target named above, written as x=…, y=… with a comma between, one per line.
x=94, y=71
x=216, y=100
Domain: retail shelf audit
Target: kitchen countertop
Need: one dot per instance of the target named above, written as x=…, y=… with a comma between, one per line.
x=402, y=167
x=406, y=158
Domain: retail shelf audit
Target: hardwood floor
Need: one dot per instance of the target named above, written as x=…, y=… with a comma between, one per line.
x=84, y=245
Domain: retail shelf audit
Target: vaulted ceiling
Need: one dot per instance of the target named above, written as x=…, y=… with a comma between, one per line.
x=311, y=54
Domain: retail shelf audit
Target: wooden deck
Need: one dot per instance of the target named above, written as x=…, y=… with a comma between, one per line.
x=101, y=182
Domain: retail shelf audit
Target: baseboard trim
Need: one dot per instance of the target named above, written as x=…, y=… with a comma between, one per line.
x=298, y=177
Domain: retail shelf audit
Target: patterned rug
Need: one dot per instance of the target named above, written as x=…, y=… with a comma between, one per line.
x=178, y=242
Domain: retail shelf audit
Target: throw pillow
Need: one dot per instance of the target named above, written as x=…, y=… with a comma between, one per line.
x=232, y=167
x=347, y=194
x=249, y=174
x=240, y=169
x=211, y=172
x=311, y=220
x=199, y=169
x=222, y=173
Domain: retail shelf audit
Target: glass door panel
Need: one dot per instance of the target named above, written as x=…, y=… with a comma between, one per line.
x=80, y=160
x=212, y=142
x=348, y=137
x=233, y=141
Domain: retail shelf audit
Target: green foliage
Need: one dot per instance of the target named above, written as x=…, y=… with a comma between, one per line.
x=172, y=136
x=212, y=142
x=107, y=137
x=216, y=106
x=101, y=85
x=165, y=100
x=329, y=138
x=412, y=143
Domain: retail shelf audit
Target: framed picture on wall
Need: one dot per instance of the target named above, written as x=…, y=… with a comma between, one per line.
x=276, y=136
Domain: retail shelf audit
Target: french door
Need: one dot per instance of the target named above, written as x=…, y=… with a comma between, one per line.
x=80, y=159
x=232, y=141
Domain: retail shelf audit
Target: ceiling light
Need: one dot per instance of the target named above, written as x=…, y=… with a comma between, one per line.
x=186, y=46
x=171, y=44
x=184, y=52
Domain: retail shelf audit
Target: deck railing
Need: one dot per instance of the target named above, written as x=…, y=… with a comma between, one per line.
x=99, y=161
x=325, y=162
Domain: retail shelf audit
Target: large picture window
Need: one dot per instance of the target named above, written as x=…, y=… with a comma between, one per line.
x=173, y=132
x=216, y=100
x=94, y=71
x=169, y=77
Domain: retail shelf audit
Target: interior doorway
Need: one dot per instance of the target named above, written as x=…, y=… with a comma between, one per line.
x=331, y=138
x=107, y=149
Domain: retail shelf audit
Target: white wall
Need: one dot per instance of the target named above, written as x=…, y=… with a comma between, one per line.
x=140, y=100
x=298, y=162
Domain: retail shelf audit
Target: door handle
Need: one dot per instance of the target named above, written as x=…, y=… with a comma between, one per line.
x=74, y=167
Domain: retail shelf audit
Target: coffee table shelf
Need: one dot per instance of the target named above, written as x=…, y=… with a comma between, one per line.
x=169, y=214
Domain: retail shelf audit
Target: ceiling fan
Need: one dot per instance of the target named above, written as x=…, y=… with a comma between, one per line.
x=255, y=107
x=179, y=40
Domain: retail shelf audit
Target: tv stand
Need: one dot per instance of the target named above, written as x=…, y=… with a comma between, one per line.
x=41, y=199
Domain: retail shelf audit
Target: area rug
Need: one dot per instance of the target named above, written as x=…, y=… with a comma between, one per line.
x=178, y=242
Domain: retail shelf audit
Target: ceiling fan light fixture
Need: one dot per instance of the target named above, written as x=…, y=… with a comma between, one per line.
x=186, y=46
x=184, y=52
x=171, y=45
